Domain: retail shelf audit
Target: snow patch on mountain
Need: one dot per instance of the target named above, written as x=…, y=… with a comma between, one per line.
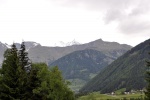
x=8, y=46
x=30, y=45
x=64, y=44
x=35, y=44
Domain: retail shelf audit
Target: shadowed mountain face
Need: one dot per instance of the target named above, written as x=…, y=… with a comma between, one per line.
x=126, y=72
x=80, y=64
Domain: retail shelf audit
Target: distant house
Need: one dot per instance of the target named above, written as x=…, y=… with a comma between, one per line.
x=126, y=92
x=112, y=93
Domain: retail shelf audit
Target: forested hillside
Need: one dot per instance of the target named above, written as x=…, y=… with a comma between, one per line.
x=126, y=72
x=80, y=64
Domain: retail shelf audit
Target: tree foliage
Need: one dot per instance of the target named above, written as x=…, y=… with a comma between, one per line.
x=24, y=61
x=147, y=93
x=20, y=79
x=52, y=86
x=9, y=75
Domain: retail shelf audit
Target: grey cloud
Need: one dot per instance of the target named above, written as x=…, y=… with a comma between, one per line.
x=142, y=7
x=99, y=4
x=134, y=27
x=135, y=22
x=117, y=10
x=113, y=15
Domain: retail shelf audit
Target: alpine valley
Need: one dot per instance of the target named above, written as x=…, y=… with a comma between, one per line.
x=78, y=62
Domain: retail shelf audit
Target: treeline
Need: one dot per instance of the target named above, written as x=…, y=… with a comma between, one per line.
x=20, y=79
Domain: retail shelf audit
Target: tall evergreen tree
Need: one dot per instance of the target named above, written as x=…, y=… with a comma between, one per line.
x=24, y=61
x=14, y=74
x=147, y=93
x=25, y=64
x=9, y=81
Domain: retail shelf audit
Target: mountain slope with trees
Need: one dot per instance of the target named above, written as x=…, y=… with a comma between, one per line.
x=82, y=65
x=128, y=71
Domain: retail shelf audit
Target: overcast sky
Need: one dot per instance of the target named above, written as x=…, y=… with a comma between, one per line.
x=50, y=21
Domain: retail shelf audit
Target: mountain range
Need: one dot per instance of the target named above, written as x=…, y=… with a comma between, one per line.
x=50, y=54
x=38, y=53
x=78, y=62
x=128, y=72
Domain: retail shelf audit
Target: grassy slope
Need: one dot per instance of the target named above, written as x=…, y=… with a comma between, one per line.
x=98, y=96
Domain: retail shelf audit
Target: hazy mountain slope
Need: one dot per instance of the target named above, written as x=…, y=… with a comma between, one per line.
x=126, y=72
x=50, y=54
x=82, y=65
x=3, y=47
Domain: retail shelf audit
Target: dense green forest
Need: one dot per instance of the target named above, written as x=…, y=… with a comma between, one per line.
x=20, y=79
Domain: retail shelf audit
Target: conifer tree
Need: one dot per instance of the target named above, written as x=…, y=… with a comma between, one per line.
x=9, y=81
x=24, y=61
x=33, y=82
x=25, y=64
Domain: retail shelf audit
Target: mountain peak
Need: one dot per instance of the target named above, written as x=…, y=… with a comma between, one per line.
x=99, y=40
